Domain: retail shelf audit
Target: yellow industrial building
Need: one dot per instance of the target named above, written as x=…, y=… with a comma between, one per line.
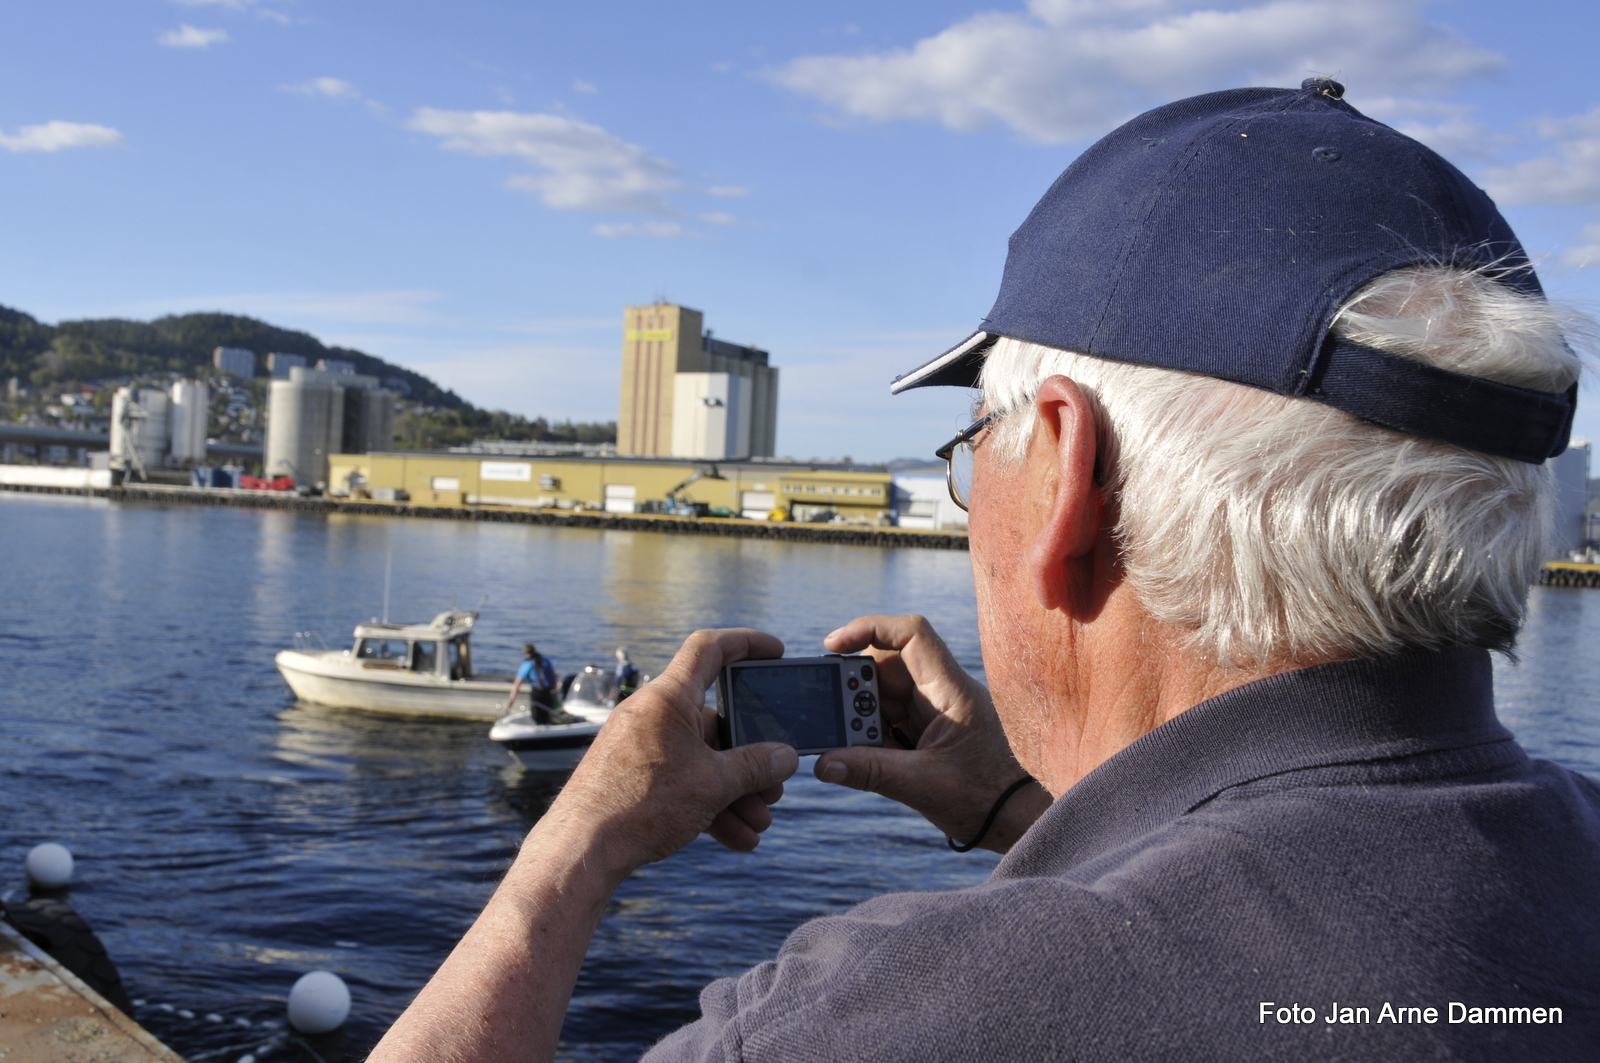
x=802, y=491
x=695, y=434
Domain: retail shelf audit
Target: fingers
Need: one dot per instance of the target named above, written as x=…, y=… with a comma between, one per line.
x=733, y=832
x=923, y=653
x=879, y=632
x=755, y=773
x=756, y=768
x=753, y=811
x=922, y=664
x=740, y=825
x=891, y=772
x=705, y=653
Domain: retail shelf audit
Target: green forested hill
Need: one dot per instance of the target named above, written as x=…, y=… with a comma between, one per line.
x=94, y=349
x=22, y=341
x=109, y=348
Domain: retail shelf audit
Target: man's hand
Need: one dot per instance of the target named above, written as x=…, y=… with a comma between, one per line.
x=961, y=762
x=653, y=780
x=650, y=783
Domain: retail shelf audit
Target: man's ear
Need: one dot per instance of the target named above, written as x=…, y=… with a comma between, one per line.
x=1064, y=443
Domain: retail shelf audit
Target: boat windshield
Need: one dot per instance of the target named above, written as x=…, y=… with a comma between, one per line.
x=593, y=687
x=381, y=649
x=425, y=657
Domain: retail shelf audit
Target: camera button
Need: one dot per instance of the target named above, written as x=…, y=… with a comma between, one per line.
x=872, y=732
x=855, y=724
x=852, y=682
x=866, y=672
x=865, y=703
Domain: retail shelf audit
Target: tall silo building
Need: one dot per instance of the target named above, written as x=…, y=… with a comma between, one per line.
x=688, y=394
x=191, y=409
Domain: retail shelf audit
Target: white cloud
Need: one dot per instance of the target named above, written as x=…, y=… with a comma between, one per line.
x=728, y=191
x=717, y=217
x=585, y=87
x=649, y=228
x=332, y=88
x=240, y=6
x=1065, y=70
x=1448, y=128
x=53, y=136
x=585, y=167
x=1570, y=177
x=1587, y=253
x=187, y=36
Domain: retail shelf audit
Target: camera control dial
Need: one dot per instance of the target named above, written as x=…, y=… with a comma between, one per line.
x=866, y=704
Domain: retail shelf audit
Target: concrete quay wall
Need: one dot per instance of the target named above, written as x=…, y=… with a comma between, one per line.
x=50, y=1016
x=725, y=526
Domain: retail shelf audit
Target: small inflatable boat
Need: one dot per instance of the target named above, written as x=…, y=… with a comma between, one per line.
x=558, y=745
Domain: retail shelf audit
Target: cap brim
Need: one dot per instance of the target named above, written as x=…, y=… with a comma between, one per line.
x=957, y=367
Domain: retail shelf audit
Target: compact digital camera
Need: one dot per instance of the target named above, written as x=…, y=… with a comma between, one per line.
x=811, y=703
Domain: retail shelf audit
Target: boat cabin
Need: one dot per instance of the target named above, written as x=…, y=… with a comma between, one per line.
x=442, y=646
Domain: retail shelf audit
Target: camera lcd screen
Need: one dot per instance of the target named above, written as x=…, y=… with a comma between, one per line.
x=797, y=705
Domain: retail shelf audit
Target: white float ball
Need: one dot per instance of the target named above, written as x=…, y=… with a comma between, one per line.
x=49, y=865
x=319, y=1002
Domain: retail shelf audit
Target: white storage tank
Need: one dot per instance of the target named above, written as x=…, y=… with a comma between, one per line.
x=190, y=409
x=305, y=421
x=139, y=427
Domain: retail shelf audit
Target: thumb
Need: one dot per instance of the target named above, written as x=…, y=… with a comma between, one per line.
x=761, y=766
x=882, y=770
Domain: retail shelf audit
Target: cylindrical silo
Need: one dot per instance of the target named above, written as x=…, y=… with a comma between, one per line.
x=121, y=437
x=300, y=418
x=380, y=420
x=190, y=400
x=139, y=427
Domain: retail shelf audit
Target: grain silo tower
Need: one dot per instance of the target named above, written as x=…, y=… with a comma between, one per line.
x=191, y=406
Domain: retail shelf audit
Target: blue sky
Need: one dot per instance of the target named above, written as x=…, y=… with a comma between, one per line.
x=477, y=189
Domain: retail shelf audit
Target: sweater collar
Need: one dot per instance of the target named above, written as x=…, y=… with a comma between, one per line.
x=1339, y=713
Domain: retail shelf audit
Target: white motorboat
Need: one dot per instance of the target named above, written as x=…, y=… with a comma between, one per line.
x=586, y=704
x=415, y=669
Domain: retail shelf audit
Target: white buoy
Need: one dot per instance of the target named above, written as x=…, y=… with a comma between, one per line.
x=319, y=1002
x=49, y=865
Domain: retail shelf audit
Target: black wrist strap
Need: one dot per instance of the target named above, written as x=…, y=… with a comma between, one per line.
x=993, y=812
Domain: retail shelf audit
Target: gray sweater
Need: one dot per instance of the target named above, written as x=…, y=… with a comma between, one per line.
x=1337, y=863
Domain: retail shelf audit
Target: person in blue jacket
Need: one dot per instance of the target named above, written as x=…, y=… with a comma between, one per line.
x=627, y=674
x=537, y=671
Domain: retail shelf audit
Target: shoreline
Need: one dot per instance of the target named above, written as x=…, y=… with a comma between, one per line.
x=730, y=527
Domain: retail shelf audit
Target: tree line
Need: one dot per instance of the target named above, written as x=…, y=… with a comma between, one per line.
x=92, y=350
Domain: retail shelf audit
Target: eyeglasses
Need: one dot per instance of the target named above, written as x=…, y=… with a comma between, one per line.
x=958, y=454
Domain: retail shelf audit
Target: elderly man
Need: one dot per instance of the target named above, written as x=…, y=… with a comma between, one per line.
x=1255, y=485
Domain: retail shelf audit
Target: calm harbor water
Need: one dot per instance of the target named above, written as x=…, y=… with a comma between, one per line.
x=230, y=839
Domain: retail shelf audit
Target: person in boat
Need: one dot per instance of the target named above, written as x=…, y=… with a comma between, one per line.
x=1256, y=484
x=627, y=674
x=540, y=675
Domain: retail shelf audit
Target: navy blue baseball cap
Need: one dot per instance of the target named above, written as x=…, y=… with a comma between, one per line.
x=1220, y=235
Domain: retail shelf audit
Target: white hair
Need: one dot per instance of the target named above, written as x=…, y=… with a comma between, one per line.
x=1281, y=530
